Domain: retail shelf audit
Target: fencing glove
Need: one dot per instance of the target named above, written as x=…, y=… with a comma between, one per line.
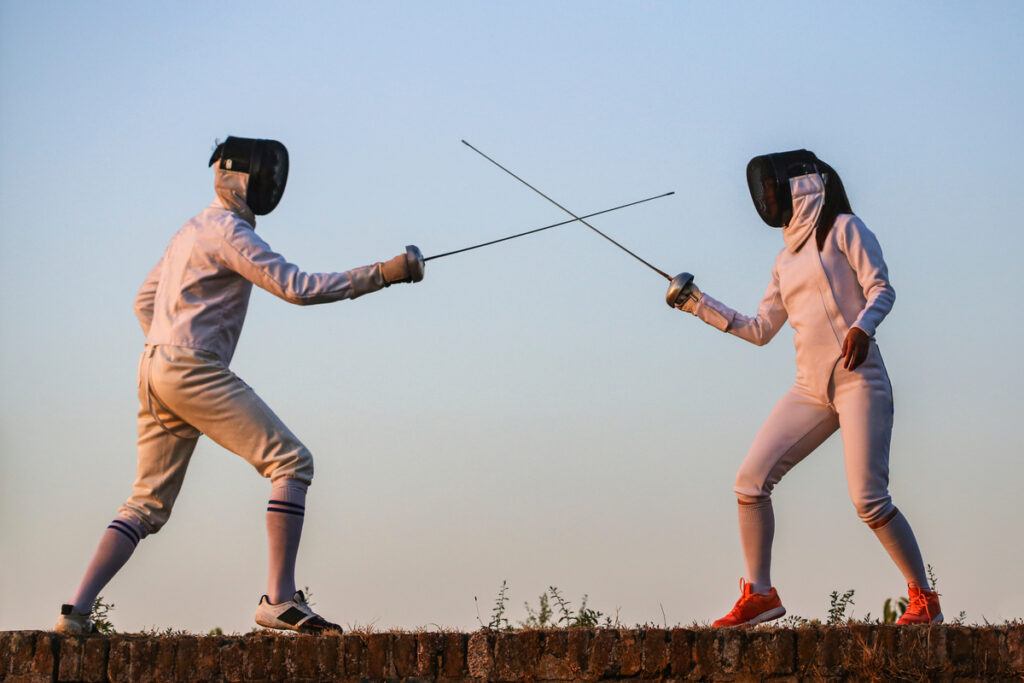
x=683, y=293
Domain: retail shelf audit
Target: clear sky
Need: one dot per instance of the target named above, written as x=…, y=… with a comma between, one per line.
x=531, y=412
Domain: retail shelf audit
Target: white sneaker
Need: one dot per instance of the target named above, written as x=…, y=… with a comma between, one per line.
x=73, y=623
x=292, y=615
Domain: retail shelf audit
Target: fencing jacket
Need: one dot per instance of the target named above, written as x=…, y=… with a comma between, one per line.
x=823, y=294
x=197, y=295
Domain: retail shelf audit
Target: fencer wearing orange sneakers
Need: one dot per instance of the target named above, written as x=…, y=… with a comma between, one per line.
x=831, y=282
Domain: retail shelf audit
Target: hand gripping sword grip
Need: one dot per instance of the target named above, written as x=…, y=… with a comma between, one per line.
x=414, y=259
x=676, y=287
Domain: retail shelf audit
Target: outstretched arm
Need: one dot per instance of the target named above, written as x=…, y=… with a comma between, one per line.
x=252, y=258
x=147, y=294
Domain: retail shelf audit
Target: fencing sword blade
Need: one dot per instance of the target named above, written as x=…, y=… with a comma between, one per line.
x=578, y=218
x=547, y=227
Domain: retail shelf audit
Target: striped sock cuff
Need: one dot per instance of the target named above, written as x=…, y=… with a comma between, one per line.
x=284, y=507
x=127, y=530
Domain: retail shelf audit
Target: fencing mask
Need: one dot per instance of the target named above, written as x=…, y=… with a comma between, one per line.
x=768, y=179
x=266, y=163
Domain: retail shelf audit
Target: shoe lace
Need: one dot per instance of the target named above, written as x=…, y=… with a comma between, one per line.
x=737, y=609
x=919, y=603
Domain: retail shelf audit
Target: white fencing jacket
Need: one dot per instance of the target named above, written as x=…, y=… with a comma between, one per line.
x=197, y=295
x=823, y=294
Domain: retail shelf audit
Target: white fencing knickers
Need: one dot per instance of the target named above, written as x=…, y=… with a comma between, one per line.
x=184, y=393
x=859, y=404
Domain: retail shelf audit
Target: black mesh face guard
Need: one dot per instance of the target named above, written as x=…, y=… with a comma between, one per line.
x=768, y=180
x=266, y=162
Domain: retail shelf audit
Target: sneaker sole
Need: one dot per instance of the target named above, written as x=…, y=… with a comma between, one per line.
x=937, y=620
x=766, y=616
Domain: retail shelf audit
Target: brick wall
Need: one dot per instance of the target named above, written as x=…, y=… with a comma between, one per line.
x=856, y=651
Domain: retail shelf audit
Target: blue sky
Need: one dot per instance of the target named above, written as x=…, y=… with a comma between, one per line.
x=530, y=412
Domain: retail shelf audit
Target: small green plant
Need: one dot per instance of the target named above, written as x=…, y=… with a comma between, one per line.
x=891, y=612
x=101, y=615
x=794, y=621
x=498, y=622
x=837, y=607
x=932, y=579
x=215, y=631
x=583, y=618
x=541, y=617
x=961, y=618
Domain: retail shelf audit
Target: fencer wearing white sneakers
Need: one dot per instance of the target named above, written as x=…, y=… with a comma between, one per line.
x=191, y=307
x=832, y=284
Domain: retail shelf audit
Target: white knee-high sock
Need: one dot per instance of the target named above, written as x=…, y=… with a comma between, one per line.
x=285, y=512
x=898, y=539
x=116, y=545
x=757, y=531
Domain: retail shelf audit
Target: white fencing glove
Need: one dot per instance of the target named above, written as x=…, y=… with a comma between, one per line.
x=683, y=293
x=407, y=267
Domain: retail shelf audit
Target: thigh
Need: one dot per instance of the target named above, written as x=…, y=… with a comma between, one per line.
x=864, y=403
x=163, y=459
x=205, y=393
x=796, y=426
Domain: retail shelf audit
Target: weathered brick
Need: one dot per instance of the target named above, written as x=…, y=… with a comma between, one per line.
x=806, y=650
x=232, y=660
x=680, y=653
x=769, y=652
x=509, y=660
x=480, y=655
x=33, y=657
x=553, y=662
x=428, y=652
x=378, y=656
x=166, y=654
x=5, y=652
x=207, y=661
x=354, y=657
x=278, y=657
x=22, y=646
x=938, y=656
x=1015, y=648
x=857, y=649
x=94, y=660
x=578, y=650
x=706, y=658
x=960, y=647
x=254, y=666
x=302, y=658
x=453, y=655
x=630, y=652
x=185, y=656
x=142, y=656
x=912, y=651
x=654, y=651
x=403, y=655
x=604, y=654
x=991, y=651
x=531, y=643
x=119, y=660
x=330, y=664
x=830, y=652
x=730, y=647
x=885, y=643
x=69, y=667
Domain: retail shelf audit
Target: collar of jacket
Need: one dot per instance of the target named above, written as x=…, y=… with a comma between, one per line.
x=808, y=199
x=231, y=187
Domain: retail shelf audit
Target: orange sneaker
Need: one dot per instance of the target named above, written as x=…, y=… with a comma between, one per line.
x=752, y=608
x=923, y=608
